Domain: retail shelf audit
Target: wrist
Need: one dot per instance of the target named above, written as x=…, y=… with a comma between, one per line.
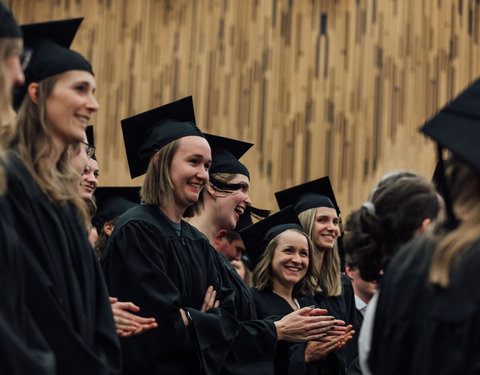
x=279, y=327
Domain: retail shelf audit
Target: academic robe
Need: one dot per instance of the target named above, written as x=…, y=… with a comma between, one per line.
x=23, y=349
x=290, y=357
x=423, y=329
x=65, y=290
x=343, y=307
x=146, y=262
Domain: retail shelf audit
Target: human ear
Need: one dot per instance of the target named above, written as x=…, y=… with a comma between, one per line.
x=108, y=228
x=32, y=91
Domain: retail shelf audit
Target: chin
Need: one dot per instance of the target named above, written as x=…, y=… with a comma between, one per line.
x=86, y=195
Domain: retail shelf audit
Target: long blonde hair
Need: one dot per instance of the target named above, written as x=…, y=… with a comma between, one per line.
x=329, y=276
x=8, y=46
x=31, y=140
x=464, y=185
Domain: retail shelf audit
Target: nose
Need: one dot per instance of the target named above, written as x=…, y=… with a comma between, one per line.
x=19, y=78
x=93, y=104
x=202, y=174
x=296, y=258
x=247, y=200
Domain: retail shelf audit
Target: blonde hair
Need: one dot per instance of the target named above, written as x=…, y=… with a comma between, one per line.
x=263, y=276
x=31, y=140
x=158, y=187
x=329, y=273
x=8, y=46
x=464, y=186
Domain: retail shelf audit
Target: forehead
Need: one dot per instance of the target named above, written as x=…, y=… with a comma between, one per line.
x=326, y=211
x=292, y=237
x=77, y=76
x=240, y=178
x=195, y=146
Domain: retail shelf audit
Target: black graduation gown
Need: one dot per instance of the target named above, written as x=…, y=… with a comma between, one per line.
x=290, y=357
x=65, y=290
x=146, y=262
x=421, y=329
x=343, y=307
x=23, y=349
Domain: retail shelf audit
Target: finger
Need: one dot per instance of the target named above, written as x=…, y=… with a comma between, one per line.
x=217, y=304
x=126, y=306
x=208, y=293
x=113, y=299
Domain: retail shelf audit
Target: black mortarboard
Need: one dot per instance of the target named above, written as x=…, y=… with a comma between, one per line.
x=147, y=132
x=50, y=42
x=457, y=126
x=8, y=26
x=256, y=237
x=316, y=193
x=245, y=219
x=114, y=201
x=225, y=154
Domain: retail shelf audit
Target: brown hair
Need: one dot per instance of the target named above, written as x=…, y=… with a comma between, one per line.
x=31, y=140
x=263, y=276
x=157, y=187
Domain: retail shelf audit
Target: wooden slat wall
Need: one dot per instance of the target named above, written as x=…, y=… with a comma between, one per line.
x=321, y=87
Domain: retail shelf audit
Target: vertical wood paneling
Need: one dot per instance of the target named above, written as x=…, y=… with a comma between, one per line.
x=325, y=86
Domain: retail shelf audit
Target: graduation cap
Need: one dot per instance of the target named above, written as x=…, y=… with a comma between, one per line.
x=316, y=193
x=457, y=128
x=90, y=139
x=50, y=42
x=245, y=219
x=147, y=132
x=114, y=201
x=225, y=154
x=8, y=26
x=256, y=237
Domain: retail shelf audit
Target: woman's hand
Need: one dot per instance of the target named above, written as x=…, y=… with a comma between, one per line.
x=318, y=350
x=209, y=300
x=208, y=303
x=129, y=324
x=306, y=324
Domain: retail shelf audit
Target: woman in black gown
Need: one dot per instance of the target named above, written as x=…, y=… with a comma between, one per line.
x=65, y=290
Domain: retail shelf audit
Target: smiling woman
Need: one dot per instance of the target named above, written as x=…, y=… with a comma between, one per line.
x=65, y=291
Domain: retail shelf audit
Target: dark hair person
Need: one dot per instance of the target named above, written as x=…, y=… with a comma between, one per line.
x=159, y=261
x=428, y=309
x=401, y=206
x=66, y=293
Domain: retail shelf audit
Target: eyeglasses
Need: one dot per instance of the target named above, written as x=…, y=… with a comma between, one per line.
x=90, y=150
x=25, y=58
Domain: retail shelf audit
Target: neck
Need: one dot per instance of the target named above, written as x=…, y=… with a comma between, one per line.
x=173, y=212
x=206, y=221
x=284, y=291
x=320, y=254
x=57, y=148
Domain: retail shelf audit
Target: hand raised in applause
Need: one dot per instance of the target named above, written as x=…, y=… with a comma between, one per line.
x=129, y=324
x=317, y=350
x=306, y=324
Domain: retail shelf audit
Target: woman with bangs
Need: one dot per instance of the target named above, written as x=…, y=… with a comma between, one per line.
x=285, y=280
x=65, y=291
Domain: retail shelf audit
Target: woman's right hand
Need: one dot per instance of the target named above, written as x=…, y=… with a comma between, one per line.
x=209, y=300
x=306, y=324
x=129, y=324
